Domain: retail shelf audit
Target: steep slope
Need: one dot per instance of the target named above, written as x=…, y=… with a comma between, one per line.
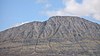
x=58, y=36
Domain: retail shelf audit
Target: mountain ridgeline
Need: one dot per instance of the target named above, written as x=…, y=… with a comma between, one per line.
x=58, y=36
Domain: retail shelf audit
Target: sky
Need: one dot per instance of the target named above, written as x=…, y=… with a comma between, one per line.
x=17, y=12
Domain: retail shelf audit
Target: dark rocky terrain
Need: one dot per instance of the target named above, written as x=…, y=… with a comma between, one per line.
x=58, y=36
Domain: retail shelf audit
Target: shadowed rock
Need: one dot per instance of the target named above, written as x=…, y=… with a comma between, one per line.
x=58, y=36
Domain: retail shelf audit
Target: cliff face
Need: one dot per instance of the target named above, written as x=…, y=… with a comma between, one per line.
x=58, y=36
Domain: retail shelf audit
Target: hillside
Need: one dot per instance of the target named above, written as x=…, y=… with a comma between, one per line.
x=58, y=36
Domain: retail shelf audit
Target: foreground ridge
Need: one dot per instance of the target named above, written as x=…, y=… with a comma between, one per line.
x=58, y=36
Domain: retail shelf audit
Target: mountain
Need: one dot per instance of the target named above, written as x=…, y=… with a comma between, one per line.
x=58, y=36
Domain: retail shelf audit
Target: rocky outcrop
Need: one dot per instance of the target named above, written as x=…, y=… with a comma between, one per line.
x=58, y=36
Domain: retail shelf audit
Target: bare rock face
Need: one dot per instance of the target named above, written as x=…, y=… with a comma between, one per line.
x=58, y=36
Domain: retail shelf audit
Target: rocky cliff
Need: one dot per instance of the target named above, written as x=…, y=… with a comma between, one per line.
x=58, y=36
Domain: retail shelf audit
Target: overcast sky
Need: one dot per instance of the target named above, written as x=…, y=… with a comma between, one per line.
x=17, y=12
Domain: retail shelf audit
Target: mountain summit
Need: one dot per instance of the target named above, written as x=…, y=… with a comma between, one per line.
x=58, y=36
